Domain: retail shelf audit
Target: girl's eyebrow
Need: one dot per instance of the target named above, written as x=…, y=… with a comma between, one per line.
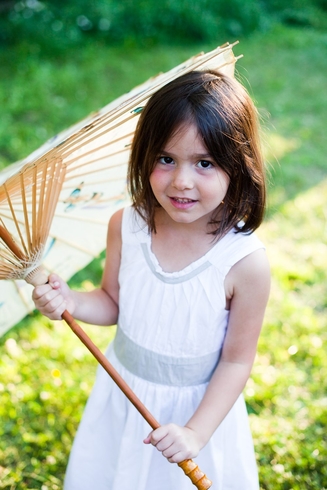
x=203, y=155
x=200, y=156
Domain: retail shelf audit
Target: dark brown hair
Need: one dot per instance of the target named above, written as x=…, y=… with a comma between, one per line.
x=227, y=121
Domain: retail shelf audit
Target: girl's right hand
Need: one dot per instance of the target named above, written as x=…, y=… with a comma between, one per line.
x=175, y=442
x=53, y=298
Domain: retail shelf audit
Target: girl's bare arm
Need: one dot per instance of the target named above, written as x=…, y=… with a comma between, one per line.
x=100, y=306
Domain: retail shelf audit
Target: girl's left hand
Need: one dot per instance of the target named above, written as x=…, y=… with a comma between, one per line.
x=176, y=443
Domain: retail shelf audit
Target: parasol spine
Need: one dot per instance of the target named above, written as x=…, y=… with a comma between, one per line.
x=14, y=218
x=27, y=227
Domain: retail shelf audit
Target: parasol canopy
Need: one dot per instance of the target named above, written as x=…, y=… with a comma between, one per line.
x=56, y=203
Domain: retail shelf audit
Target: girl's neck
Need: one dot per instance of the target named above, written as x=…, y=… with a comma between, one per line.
x=177, y=245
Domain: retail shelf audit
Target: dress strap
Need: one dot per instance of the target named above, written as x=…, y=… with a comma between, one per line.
x=232, y=248
x=134, y=228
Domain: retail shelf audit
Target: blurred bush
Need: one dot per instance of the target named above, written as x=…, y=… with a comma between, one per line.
x=60, y=24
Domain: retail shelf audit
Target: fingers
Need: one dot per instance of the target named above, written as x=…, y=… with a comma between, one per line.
x=147, y=440
x=49, y=299
x=174, y=442
x=49, y=302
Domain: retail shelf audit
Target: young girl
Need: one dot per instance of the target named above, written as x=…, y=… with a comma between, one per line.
x=187, y=283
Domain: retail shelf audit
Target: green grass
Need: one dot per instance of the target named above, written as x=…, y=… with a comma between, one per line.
x=287, y=75
x=287, y=391
x=47, y=374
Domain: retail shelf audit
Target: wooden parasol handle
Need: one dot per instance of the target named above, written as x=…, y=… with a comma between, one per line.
x=190, y=469
x=101, y=358
x=198, y=478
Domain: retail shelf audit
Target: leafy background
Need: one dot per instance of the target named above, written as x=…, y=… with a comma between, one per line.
x=62, y=60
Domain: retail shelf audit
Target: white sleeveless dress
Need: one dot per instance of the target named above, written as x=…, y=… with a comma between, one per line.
x=170, y=333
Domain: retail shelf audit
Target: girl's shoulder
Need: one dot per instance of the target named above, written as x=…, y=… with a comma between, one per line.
x=250, y=278
x=116, y=218
x=128, y=223
x=127, y=216
x=233, y=247
x=114, y=235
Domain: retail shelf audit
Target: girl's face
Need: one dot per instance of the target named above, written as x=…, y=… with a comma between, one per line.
x=186, y=181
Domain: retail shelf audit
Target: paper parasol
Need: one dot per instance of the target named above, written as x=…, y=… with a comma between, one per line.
x=55, y=204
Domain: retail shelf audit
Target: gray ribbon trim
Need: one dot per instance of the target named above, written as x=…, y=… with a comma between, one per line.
x=162, y=369
x=172, y=280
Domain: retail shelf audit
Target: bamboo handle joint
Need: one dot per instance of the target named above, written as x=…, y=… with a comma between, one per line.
x=198, y=478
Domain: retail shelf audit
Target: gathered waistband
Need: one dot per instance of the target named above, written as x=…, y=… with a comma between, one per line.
x=162, y=369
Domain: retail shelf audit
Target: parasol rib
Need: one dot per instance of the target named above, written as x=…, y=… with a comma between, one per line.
x=92, y=152
x=27, y=227
x=89, y=162
x=40, y=218
x=34, y=213
x=15, y=219
x=99, y=135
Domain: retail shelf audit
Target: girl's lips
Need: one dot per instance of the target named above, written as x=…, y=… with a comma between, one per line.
x=182, y=202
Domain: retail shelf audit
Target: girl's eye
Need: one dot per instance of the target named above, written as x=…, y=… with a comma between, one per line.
x=204, y=164
x=165, y=160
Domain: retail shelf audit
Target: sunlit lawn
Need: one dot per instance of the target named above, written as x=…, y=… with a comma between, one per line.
x=46, y=374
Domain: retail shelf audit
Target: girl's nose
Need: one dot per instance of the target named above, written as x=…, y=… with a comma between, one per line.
x=182, y=179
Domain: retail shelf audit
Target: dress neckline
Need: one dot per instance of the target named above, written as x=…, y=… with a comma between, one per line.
x=191, y=269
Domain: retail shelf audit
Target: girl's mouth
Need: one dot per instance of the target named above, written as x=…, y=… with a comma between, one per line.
x=182, y=202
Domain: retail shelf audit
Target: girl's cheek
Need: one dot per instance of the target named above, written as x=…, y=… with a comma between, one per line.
x=158, y=175
x=159, y=170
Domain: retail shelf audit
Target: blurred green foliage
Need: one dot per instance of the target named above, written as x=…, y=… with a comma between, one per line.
x=46, y=373
x=286, y=394
x=61, y=24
